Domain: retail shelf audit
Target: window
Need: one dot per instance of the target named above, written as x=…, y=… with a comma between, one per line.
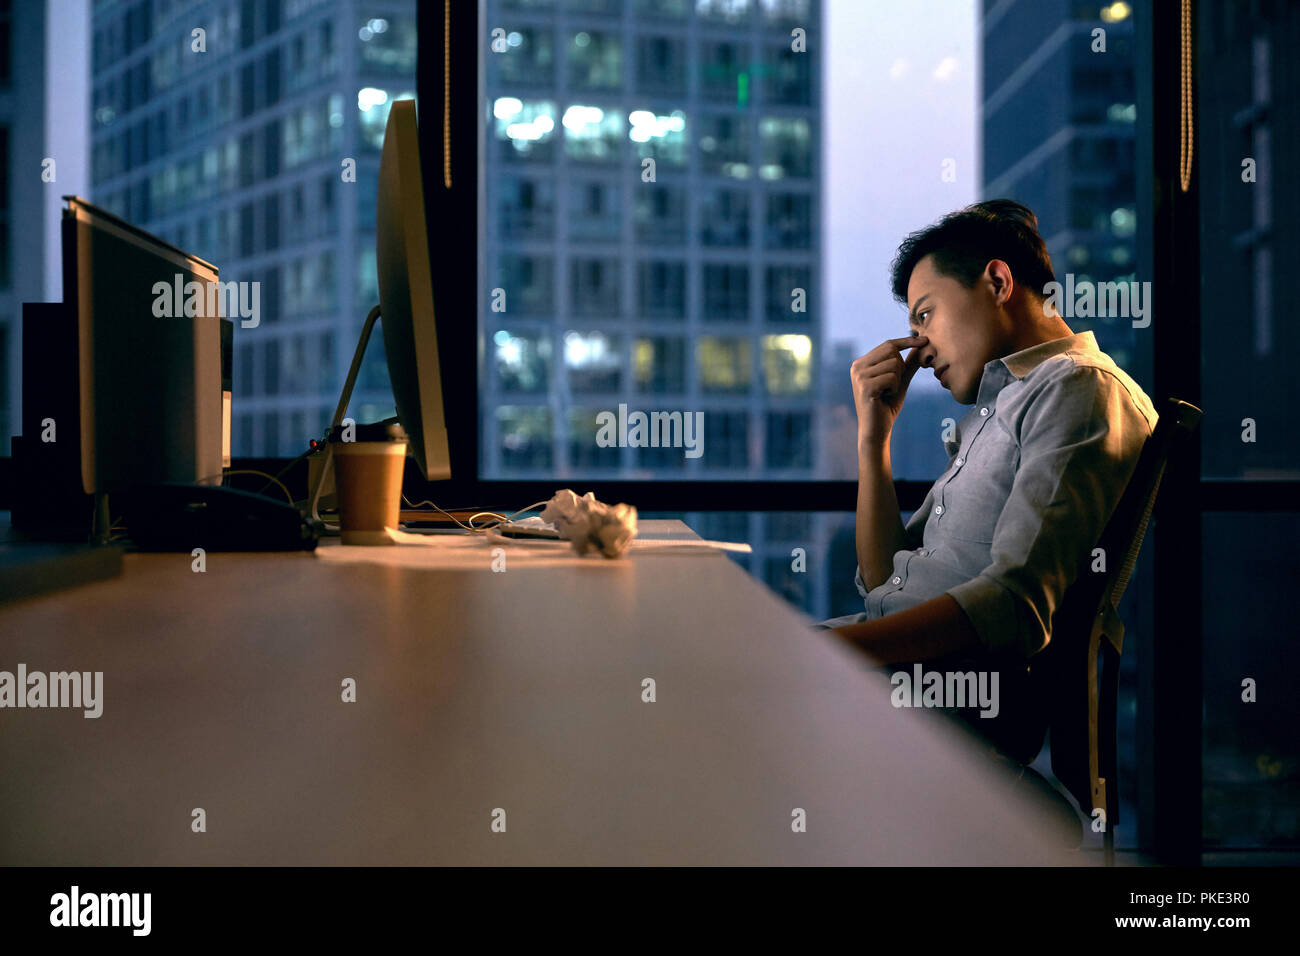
x=662, y=289
x=595, y=211
x=522, y=360
x=660, y=363
x=594, y=361
x=526, y=209
x=661, y=65
x=528, y=58
x=660, y=214
x=724, y=363
x=595, y=60
x=724, y=218
x=594, y=287
x=726, y=293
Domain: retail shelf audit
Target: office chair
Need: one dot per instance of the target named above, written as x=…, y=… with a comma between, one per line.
x=1079, y=709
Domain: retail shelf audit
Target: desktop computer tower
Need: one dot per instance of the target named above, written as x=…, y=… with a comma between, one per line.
x=189, y=385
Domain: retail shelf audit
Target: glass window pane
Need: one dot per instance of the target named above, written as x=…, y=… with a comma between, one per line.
x=1250, y=750
x=661, y=65
x=594, y=361
x=522, y=360
x=1249, y=232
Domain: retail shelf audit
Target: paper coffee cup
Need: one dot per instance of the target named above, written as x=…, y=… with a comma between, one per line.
x=368, y=476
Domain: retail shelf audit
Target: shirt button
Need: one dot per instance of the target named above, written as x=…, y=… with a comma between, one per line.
x=939, y=510
x=984, y=411
x=897, y=580
x=959, y=461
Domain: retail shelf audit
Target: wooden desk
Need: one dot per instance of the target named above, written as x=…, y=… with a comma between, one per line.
x=476, y=690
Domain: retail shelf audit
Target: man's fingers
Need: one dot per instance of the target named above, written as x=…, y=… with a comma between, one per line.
x=912, y=363
x=890, y=348
x=908, y=340
x=878, y=384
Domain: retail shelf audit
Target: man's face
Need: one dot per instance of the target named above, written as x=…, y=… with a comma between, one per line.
x=965, y=327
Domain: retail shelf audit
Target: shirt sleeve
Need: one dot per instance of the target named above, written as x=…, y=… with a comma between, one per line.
x=1079, y=444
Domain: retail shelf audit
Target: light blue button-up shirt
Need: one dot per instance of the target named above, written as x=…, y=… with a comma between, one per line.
x=1035, y=469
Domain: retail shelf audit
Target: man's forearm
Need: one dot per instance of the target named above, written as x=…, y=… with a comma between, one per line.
x=879, y=529
x=933, y=629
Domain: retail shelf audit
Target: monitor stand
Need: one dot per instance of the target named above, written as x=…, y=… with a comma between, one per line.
x=313, y=493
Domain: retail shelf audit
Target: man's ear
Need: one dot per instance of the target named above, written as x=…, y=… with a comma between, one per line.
x=998, y=275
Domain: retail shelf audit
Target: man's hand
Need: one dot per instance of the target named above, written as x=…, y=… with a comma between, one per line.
x=880, y=380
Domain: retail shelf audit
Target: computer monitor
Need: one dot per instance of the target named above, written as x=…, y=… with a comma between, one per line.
x=153, y=406
x=406, y=295
x=405, y=308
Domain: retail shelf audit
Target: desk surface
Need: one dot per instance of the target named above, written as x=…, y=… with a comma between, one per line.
x=476, y=691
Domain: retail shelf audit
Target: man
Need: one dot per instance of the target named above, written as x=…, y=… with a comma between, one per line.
x=1035, y=468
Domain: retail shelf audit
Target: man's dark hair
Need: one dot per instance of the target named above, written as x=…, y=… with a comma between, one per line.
x=964, y=242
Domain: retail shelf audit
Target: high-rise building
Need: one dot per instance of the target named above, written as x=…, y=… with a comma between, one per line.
x=249, y=134
x=43, y=85
x=1059, y=112
x=653, y=187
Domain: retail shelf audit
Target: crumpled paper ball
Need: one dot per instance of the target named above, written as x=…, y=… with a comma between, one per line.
x=591, y=525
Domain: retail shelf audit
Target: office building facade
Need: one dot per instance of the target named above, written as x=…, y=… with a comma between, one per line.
x=652, y=203
x=653, y=186
x=43, y=156
x=249, y=134
x=1059, y=111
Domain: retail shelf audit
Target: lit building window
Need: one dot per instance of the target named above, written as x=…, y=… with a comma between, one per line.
x=787, y=147
x=728, y=11
x=523, y=360
x=724, y=363
x=787, y=364
x=373, y=105
x=661, y=137
x=594, y=361
x=591, y=133
x=526, y=125
x=724, y=146
x=660, y=364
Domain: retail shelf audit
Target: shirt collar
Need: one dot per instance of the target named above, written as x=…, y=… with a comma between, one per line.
x=1025, y=361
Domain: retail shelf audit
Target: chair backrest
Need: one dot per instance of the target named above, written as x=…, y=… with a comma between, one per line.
x=1064, y=673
